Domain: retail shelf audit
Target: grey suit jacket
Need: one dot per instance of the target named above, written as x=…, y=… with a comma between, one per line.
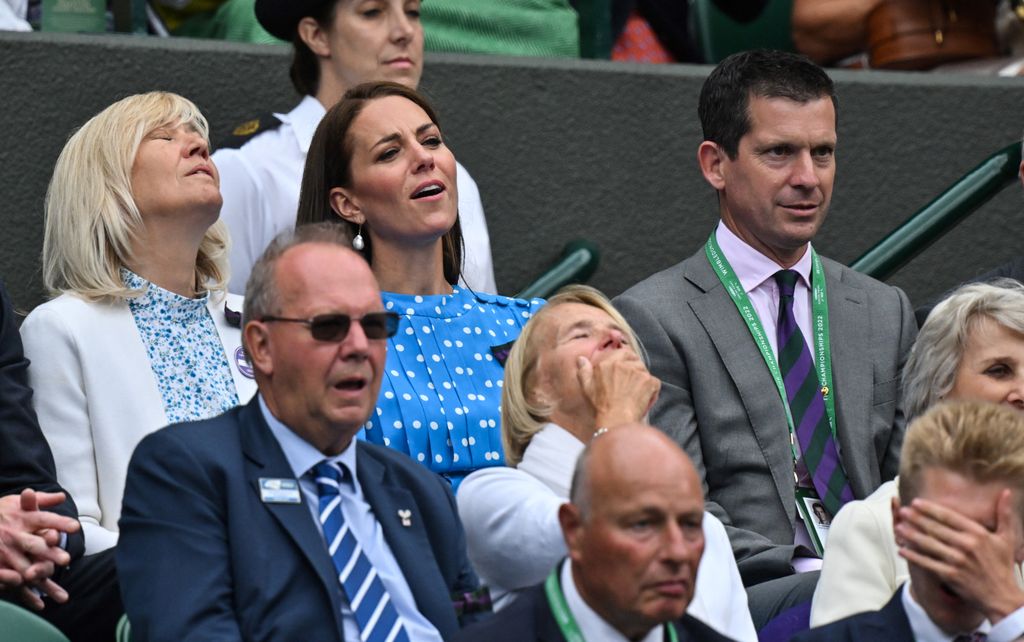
x=718, y=400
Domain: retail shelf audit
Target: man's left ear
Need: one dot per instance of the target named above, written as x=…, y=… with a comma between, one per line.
x=345, y=206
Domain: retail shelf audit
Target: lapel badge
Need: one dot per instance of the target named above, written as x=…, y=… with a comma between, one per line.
x=824, y=391
x=406, y=516
x=279, y=491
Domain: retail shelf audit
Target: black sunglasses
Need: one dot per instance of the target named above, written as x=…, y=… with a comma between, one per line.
x=334, y=327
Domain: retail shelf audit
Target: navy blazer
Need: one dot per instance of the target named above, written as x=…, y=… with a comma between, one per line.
x=25, y=457
x=889, y=623
x=529, y=617
x=202, y=557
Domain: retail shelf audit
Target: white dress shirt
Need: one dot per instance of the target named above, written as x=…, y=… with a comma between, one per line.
x=260, y=184
x=1009, y=628
x=513, y=538
x=302, y=456
x=591, y=625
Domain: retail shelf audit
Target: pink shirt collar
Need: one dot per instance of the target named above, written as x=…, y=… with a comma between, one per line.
x=752, y=267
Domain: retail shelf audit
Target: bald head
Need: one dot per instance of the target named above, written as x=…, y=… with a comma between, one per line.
x=634, y=528
x=630, y=451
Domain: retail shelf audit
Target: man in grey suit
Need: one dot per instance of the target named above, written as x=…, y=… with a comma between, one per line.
x=819, y=418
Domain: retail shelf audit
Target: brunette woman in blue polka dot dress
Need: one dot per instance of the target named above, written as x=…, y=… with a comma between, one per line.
x=391, y=180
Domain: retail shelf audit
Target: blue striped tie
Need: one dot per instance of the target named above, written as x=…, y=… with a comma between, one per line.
x=375, y=614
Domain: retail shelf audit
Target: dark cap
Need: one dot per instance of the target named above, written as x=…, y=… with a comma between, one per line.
x=281, y=17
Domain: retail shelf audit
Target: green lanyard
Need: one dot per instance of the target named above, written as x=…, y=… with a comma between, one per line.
x=819, y=321
x=566, y=622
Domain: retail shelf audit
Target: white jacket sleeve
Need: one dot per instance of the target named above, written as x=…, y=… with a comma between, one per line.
x=512, y=534
x=59, y=398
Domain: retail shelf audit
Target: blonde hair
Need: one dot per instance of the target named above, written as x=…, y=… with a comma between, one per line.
x=91, y=215
x=522, y=415
x=981, y=441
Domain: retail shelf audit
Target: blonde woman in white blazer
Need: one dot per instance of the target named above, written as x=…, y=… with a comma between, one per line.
x=141, y=333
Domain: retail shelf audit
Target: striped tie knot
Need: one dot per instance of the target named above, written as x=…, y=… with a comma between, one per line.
x=329, y=477
x=786, y=280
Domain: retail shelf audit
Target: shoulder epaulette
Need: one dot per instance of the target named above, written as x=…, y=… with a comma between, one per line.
x=244, y=132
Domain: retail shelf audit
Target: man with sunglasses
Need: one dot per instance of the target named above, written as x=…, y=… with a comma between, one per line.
x=264, y=522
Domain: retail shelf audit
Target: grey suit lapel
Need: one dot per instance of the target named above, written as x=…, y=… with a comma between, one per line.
x=750, y=376
x=265, y=459
x=852, y=375
x=409, y=543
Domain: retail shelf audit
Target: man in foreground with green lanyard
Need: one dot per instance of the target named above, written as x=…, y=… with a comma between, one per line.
x=633, y=531
x=779, y=367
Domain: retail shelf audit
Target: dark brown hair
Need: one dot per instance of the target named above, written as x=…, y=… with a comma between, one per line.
x=329, y=165
x=305, y=69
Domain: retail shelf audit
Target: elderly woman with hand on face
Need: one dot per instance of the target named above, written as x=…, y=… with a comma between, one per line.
x=575, y=370
x=139, y=335
x=378, y=165
x=971, y=347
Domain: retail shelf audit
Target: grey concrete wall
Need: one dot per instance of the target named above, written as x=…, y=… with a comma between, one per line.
x=560, y=149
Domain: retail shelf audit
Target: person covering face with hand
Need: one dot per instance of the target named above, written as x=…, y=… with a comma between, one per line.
x=575, y=369
x=971, y=348
x=957, y=522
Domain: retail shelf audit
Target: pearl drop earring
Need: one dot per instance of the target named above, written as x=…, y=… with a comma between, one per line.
x=357, y=243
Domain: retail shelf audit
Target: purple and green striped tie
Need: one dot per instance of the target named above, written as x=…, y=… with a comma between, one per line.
x=806, y=404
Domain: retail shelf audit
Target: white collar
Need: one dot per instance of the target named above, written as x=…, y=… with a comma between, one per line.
x=551, y=458
x=922, y=626
x=301, y=454
x=592, y=626
x=752, y=267
x=304, y=118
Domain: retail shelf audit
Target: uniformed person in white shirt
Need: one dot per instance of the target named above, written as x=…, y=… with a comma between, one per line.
x=337, y=44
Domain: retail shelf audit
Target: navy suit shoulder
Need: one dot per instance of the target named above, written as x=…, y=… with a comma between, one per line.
x=201, y=550
x=889, y=623
x=530, y=618
x=25, y=457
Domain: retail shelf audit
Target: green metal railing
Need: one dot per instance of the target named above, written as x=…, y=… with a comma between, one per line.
x=577, y=263
x=937, y=218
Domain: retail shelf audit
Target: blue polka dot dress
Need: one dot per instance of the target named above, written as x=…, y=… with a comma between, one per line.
x=185, y=351
x=440, y=398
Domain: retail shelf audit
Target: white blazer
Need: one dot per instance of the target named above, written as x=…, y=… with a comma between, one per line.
x=97, y=397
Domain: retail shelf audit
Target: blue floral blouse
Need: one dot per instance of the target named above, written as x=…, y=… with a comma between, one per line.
x=185, y=351
x=440, y=398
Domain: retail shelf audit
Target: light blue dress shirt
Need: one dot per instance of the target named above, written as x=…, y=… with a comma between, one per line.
x=302, y=456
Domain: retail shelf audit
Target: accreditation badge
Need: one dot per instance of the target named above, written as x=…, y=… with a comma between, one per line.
x=816, y=517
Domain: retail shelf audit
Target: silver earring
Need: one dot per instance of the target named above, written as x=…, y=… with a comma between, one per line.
x=357, y=243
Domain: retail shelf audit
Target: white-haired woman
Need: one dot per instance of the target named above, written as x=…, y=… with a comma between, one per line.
x=970, y=348
x=140, y=333
x=575, y=369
